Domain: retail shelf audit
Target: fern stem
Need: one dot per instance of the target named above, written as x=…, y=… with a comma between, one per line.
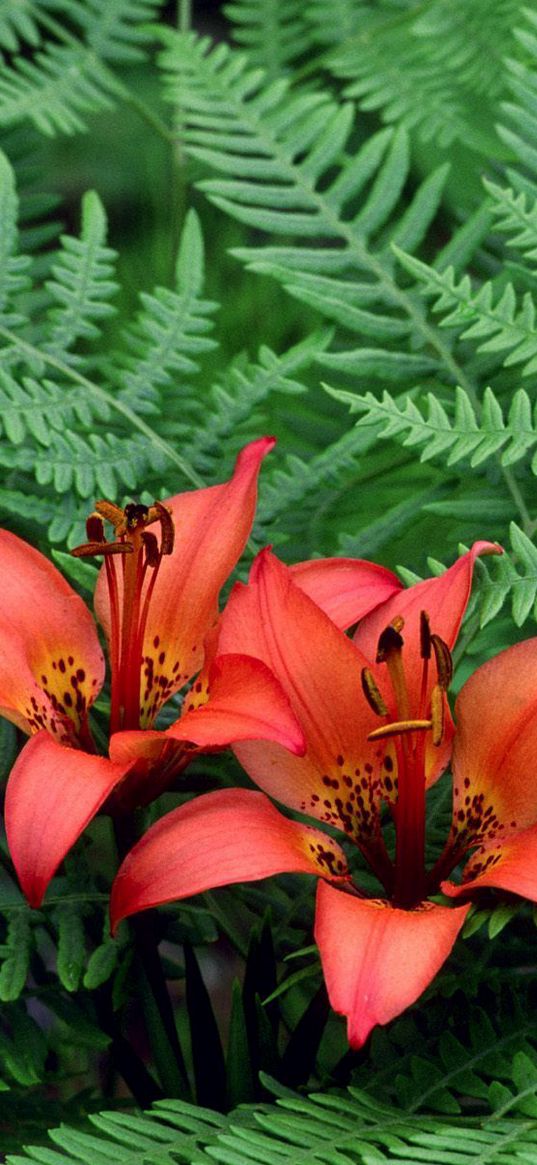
x=148, y=115
x=184, y=15
x=529, y=525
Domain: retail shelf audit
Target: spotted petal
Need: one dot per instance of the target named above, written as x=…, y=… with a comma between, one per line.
x=377, y=959
x=52, y=793
x=51, y=665
x=337, y=780
x=494, y=790
x=345, y=588
x=445, y=600
x=232, y=835
x=509, y=865
x=211, y=529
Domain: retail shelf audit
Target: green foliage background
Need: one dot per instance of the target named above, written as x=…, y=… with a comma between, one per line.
x=316, y=218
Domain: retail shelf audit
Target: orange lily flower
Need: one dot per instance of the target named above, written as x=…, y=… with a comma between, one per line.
x=378, y=731
x=157, y=599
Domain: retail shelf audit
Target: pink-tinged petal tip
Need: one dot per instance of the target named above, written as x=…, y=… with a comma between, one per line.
x=346, y=589
x=378, y=959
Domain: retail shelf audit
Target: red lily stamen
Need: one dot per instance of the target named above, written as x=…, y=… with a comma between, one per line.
x=129, y=604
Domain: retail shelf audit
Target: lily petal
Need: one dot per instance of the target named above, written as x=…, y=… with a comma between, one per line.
x=211, y=529
x=51, y=664
x=345, y=588
x=338, y=780
x=239, y=699
x=507, y=865
x=244, y=702
x=52, y=794
x=445, y=600
x=377, y=959
x=494, y=791
x=232, y=835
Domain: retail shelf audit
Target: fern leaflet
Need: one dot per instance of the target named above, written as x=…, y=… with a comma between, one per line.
x=476, y=314
x=461, y=436
x=81, y=285
x=171, y=330
x=324, y=1128
x=274, y=34
x=517, y=216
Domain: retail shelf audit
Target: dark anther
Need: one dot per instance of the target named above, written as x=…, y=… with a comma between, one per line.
x=151, y=548
x=90, y=549
x=444, y=662
x=95, y=528
x=425, y=635
x=372, y=694
x=166, y=526
x=389, y=640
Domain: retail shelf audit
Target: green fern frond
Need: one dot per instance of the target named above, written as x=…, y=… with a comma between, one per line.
x=438, y=1061
x=18, y=23
x=513, y=578
x=273, y=34
x=498, y=323
x=23, y=1047
x=346, y=19
x=517, y=129
x=81, y=284
x=454, y=435
x=39, y=408
x=171, y=331
x=56, y=89
x=232, y=402
x=280, y=147
x=16, y=954
x=296, y=488
x=95, y=465
x=12, y=265
x=117, y=30
x=440, y=71
x=516, y=215
x=323, y=1128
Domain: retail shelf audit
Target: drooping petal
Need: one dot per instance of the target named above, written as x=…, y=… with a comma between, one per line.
x=245, y=701
x=51, y=665
x=235, y=698
x=232, y=835
x=211, y=529
x=345, y=588
x=338, y=780
x=377, y=959
x=509, y=865
x=444, y=599
x=52, y=793
x=494, y=787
